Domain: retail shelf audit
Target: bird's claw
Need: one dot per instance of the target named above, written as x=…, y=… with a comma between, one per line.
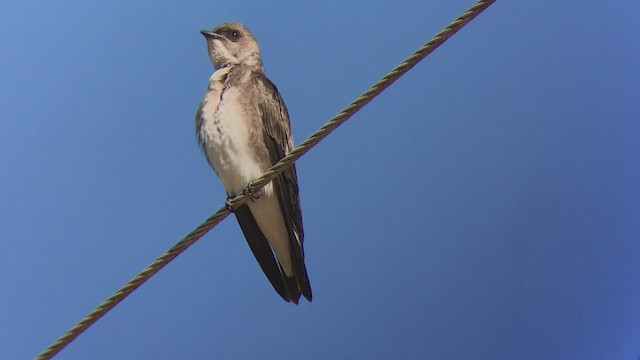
x=227, y=204
x=252, y=195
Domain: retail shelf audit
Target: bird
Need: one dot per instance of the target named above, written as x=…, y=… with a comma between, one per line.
x=243, y=128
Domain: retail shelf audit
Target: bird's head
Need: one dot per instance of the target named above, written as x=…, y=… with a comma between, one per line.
x=231, y=44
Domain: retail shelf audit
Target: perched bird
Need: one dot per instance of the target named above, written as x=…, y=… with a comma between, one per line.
x=243, y=127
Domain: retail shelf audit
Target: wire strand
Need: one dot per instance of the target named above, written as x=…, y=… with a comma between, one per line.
x=260, y=182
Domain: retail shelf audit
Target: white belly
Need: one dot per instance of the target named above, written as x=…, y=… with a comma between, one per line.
x=227, y=142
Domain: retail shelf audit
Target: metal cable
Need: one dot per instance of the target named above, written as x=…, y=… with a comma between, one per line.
x=260, y=182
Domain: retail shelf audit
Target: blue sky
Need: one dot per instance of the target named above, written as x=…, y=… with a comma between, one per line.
x=486, y=206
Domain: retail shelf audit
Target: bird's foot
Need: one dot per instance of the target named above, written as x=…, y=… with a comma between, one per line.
x=250, y=193
x=227, y=204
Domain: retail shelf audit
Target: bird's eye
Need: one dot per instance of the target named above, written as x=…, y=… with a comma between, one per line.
x=235, y=34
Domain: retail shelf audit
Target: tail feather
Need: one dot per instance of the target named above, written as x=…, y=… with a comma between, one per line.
x=262, y=251
x=301, y=279
x=290, y=288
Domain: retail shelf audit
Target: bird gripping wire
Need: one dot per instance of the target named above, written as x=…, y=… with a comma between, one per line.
x=260, y=182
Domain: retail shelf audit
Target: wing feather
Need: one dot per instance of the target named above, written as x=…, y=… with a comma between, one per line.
x=279, y=142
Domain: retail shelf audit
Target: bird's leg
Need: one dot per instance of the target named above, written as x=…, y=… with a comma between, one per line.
x=252, y=195
x=227, y=203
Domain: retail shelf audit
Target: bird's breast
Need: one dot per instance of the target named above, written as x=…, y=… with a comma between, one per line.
x=229, y=137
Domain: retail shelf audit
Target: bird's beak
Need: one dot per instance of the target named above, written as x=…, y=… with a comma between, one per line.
x=209, y=34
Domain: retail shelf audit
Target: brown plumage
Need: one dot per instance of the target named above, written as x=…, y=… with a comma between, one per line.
x=243, y=127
